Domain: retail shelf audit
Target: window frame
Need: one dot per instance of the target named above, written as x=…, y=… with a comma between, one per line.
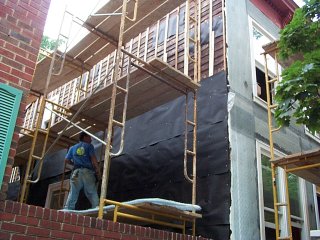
x=54, y=187
x=256, y=64
x=310, y=135
x=262, y=148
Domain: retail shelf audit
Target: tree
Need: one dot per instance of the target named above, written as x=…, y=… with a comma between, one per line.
x=48, y=45
x=298, y=93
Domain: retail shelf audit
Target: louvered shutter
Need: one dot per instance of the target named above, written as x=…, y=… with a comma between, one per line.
x=10, y=99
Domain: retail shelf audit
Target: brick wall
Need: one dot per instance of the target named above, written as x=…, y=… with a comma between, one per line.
x=21, y=28
x=22, y=221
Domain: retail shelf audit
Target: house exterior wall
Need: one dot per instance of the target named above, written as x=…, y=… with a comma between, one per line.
x=248, y=122
x=217, y=179
x=21, y=28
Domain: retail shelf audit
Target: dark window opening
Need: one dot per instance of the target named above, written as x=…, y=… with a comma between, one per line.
x=261, y=85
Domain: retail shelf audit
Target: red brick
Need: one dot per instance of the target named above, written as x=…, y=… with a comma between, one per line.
x=25, y=61
x=161, y=234
x=81, y=237
x=28, y=7
x=6, y=217
x=50, y=224
x=98, y=238
x=16, y=208
x=28, y=48
x=72, y=228
x=8, y=207
x=87, y=221
x=13, y=1
x=24, y=26
x=61, y=234
x=12, y=19
x=93, y=231
x=113, y=235
x=13, y=227
x=21, y=74
x=127, y=228
x=23, y=237
x=12, y=63
x=46, y=214
x=138, y=230
x=39, y=212
x=128, y=237
x=8, y=77
x=74, y=219
x=22, y=16
x=4, y=67
x=32, y=57
x=32, y=221
x=80, y=220
x=21, y=219
x=60, y=216
x=33, y=17
x=24, y=208
x=32, y=211
x=38, y=231
x=67, y=218
x=42, y=15
x=5, y=9
x=6, y=53
x=16, y=49
x=37, y=6
x=53, y=215
x=5, y=236
x=99, y=223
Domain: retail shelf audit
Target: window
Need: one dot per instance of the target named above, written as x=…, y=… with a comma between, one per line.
x=54, y=191
x=259, y=38
x=315, y=136
x=266, y=208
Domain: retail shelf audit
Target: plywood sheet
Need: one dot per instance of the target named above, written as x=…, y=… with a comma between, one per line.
x=301, y=160
x=96, y=46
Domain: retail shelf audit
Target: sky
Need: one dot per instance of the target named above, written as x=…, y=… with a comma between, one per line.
x=81, y=9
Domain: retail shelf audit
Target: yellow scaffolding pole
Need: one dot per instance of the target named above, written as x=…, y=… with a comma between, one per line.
x=277, y=204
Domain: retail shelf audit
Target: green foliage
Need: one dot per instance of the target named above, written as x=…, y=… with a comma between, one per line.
x=48, y=45
x=298, y=94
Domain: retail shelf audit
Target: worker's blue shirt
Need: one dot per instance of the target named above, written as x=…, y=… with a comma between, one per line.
x=80, y=154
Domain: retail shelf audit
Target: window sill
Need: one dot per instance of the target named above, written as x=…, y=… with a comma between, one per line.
x=312, y=136
x=261, y=103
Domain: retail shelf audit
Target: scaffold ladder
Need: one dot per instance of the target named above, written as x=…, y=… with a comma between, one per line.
x=191, y=139
x=41, y=108
x=115, y=90
x=32, y=156
x=285, y=205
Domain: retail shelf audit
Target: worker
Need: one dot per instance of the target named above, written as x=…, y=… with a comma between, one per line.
x=85, y=172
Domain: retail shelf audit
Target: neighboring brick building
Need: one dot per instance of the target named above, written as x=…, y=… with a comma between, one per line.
x=21, y=28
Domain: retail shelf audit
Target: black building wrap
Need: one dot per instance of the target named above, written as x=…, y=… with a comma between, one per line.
x=152, y=161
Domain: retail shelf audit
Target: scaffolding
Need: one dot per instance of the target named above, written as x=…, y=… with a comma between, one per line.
x=305, y=164
x=154, y=77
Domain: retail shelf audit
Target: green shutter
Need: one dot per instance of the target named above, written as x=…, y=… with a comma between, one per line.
x=10, y=99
